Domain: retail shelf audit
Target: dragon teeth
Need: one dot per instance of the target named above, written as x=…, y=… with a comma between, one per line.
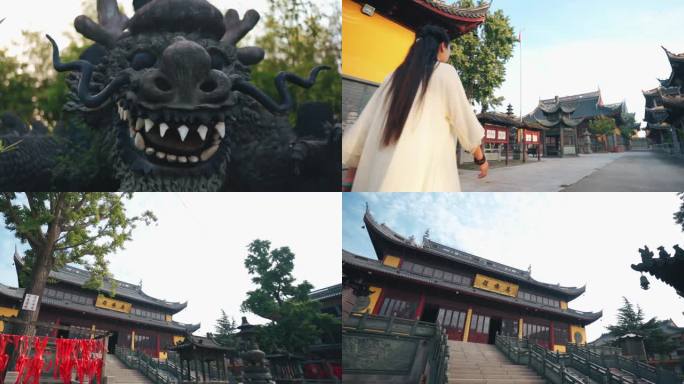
x=139, y=142
x=183, y=131
x=149, y=151
x=163, y=127
x=206, y=155
x=139, y=124
x=221, y=128
x=171, y=158
x=125, y=115
x=182, y=159
x=193, y=159
x=161, y=155
x=203, y=130
x=148, y=125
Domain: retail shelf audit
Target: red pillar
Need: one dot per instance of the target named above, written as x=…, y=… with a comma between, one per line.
x=421, y=305
x=553, y=337
x=158, y=350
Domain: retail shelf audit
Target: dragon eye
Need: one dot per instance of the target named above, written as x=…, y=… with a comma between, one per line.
x=142, y=60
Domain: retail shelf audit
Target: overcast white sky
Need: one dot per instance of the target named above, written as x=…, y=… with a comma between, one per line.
x=570, y=239
x=197, y=249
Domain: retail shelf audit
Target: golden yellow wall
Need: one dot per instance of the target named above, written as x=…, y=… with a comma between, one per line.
x=374, y=296
x=391, y=261
x=372, y=47
x=178, y=339
x=7, y=312
x=163, y=355
x=559, y=348
x=520, y=329
x=564, y=305
x=574, y=329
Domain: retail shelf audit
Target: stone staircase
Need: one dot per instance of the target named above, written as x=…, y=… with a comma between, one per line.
x=472, y=363
x=117, y=373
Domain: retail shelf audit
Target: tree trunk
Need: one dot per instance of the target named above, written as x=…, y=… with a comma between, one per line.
x=40, y=272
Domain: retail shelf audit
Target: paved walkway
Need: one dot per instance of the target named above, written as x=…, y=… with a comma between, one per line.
x=606, y=172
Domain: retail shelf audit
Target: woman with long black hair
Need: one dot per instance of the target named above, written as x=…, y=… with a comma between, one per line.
x=405, y=139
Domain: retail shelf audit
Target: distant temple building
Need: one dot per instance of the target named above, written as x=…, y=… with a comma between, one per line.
x=134, y=319
x=567, y=121
x=665, y=105
x=472, y=297
x=330, y=299
x=377, y=35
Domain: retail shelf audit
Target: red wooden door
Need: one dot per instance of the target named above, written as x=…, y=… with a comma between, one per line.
x=479, y=329
x=453, y=321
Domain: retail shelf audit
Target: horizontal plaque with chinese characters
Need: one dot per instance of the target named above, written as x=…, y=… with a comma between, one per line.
x=111, y=304
x=494, y=285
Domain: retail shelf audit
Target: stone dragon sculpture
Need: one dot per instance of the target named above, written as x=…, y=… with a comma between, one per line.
x=167, y=102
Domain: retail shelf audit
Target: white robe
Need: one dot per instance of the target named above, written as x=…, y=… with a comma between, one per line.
x=424, y=157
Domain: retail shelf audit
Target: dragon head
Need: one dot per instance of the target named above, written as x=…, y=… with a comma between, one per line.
x=173, y=82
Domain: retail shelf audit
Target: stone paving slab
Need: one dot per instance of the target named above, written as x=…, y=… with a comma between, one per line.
x=609, y=172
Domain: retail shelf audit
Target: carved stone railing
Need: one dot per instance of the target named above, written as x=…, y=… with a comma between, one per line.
x=393, y=350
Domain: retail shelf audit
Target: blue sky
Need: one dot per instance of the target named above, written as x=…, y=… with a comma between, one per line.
x=197, y=249
x=579, y=46
x=570, y=239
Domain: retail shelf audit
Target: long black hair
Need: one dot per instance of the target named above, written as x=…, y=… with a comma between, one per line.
x=417, y=68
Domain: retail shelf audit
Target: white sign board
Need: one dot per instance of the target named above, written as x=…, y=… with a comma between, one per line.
x=30, y=302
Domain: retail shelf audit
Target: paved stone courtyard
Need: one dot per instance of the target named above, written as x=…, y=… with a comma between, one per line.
x=605, y=172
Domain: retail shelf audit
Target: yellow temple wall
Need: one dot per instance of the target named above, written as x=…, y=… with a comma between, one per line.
x=577, y=328
x=7, y=312
x=374, y=297
x=391, y=261
x=372, y=46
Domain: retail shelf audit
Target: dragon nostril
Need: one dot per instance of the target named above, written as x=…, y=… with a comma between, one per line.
x=162, y=84
x=208, y=86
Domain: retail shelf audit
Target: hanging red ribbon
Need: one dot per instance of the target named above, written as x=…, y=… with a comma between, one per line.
x=84, y=355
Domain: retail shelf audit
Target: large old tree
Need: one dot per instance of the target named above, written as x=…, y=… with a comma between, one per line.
x=62, y=228
x=296, y=321
x=480, y=57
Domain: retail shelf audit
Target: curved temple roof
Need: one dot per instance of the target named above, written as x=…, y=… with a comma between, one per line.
x=478, y=13
x=414, y=14
x=465, y=258
x=18, y=294
x=375, y=266
x=78, y=277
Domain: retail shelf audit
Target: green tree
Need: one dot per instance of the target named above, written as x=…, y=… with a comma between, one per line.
x=629, y=126
x=480, y=57
x=298, y=36
x=225, y=330
x=30, y=87
x=296, y=321
x=631, y=321
x=679, y=215
x=602, y=126
x=61, y=228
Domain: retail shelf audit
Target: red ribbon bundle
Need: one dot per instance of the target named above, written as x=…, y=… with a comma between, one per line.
x=83, y=354
x=86, y=355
